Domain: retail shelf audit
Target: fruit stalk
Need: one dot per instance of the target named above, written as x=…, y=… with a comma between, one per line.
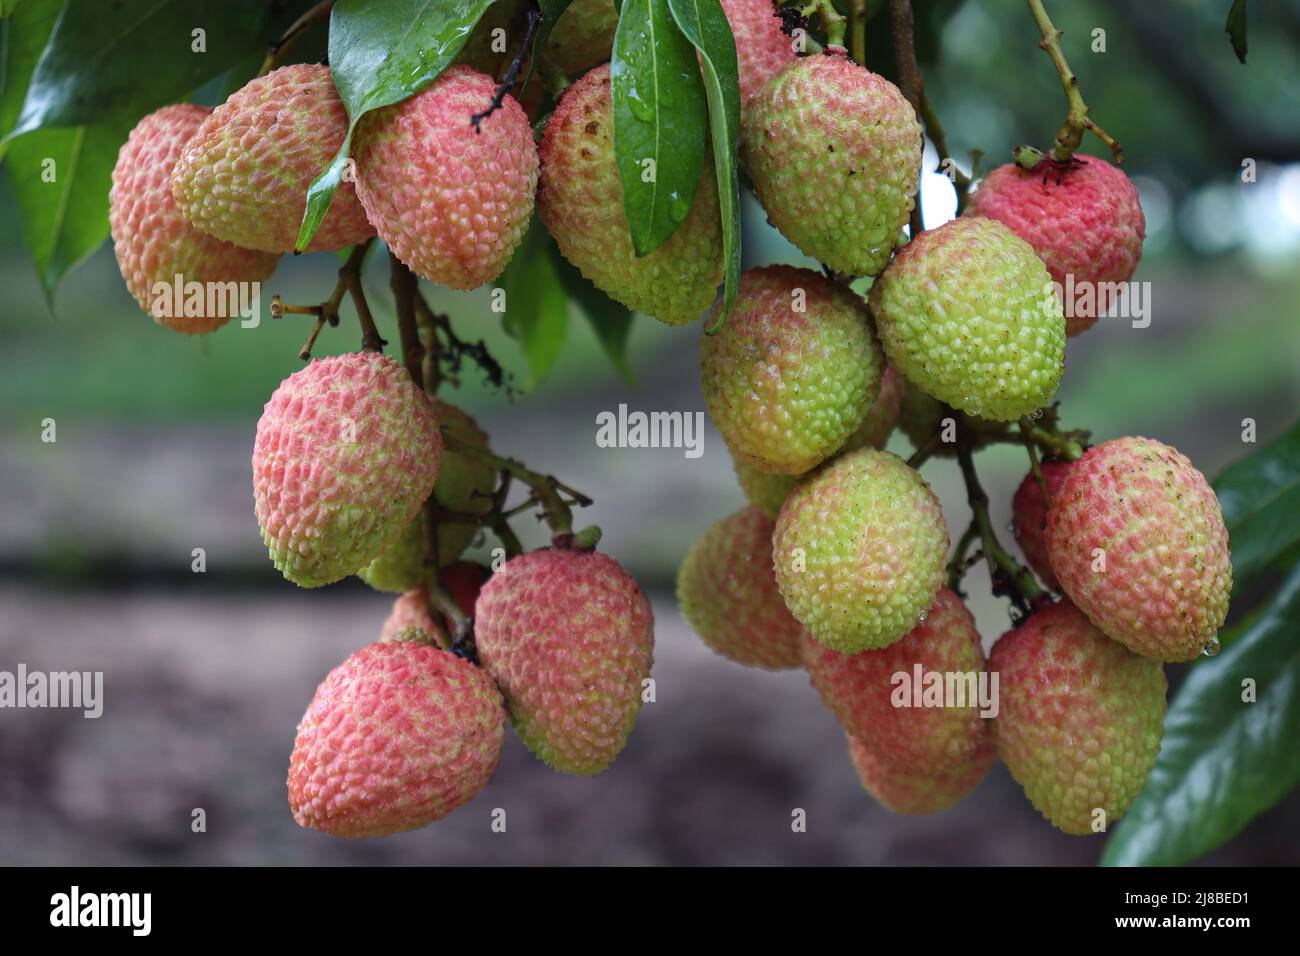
x=833, y=21
x=910, y=81
x=1007, y=574
x=1062, y=446
x=280, y=48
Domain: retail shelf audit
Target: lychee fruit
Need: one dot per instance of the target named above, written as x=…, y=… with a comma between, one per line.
x=153, y=241
x=762, y=48
x=465, y=486
x=860, y=549
x=920, y=416
x=245, y=174
x=580, y=198
x=451, y=201
x=834, y=152
x=763, y=490
x=882, y=416
x=1137, y=540
x=1085, y=222
x=1080, y=717
x=912, y=724
x=929, y=790
x=464, y=580
x=398, y=735
x=569, y=638
x=793, y=372
x=966, y=312
x=583, y=37
x=1029, y=517
x=347, y=450
x=727, y=593
x=410, y=610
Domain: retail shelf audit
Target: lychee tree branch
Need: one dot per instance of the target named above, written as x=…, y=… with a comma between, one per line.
x=1066, y=446
x=1009, y=577
x=910, y=83
x=327, y=311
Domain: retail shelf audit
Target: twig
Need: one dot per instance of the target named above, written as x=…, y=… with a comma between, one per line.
x=1009, y=577
x=404, y=283
x=327, y=311
x=512, y=73
x=960, y=563
x=1061, y=446
x=910, y=81
x=858, y=31
x=280, y=47
x=927, y=449
x=832, y=20
x=555, y=510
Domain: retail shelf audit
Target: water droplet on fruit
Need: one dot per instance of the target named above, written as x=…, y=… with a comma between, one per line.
x=1212, y=647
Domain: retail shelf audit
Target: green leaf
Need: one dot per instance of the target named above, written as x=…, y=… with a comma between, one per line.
x=536, y=308
x=7, y=7
x=705, y=24
x=25, y=36
x=612, y=321
x=60, y=180
x=552, y=10
x=380, y=54
x=1223, y=761
x=1260, y=495
x=112, y=63
x=1235, y=27
x=660, y=113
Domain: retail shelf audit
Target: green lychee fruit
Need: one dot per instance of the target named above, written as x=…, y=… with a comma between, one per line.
x=764, y=491
x=451, y=201
x=347, y=450
x=245, y=174
x=153, y=241
x=727, y=593
x=1084, y=222
x=967, y=312
x=898, y=723
x=1137, y=540
x=1080, y=717
x=834, y=152
x=398, y=735
x=1029, y=517
x=762, y=48
x=465, y=485
x=583, y=36
x=860, y=550
x=569, y=638
x=580, y=199
x=930, y=790
x=882, y=416
x=792, y=374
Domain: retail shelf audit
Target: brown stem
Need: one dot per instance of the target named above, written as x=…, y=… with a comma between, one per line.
x=404, y=283
x=280, y=48
x=547, y=489
x=910, y=82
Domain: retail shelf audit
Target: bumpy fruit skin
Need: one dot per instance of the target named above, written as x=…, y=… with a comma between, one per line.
x=569, y=638
x=834, y=152
x=859, y=550
x=882, y=416
x=764, y=491
x=1168, y=569
x=1089, y=224
x=762, y=49
x=859, y=690
x=966, y=312
x=465, y=485
x=583, y=36
x=914, y=791
x=727, y=593
x=580, y=199
x=450, y=202
x=398, y=735
x=152, y=240
x=347, y=450
x=244, y=176
x=793, y=372
x=410, y=610
x=1029, y=518
x=1080, y=717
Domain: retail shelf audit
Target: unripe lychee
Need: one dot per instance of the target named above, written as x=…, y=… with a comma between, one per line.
x=1086, y=222
x=569, y=638
x=966, y=312
x=793, y=372
x=347, y=450
x=1137, y=540
x=834, y=152
x=727, y=593
x=860, y=550
x=153, y=241
x=1080, y=717
x=451, y=201
x=1029, y=517
x=864, y=694
x=932, y=790
x=762, y=48
x=398, y=735
x=465, y=485
x=764, y=491
x=583, y=36
x=245, y=174
x=580, y=199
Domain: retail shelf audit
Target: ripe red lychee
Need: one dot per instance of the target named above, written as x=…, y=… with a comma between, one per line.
x=1029, y=517
x=931, y=790
x=398, y=735
x=762, y=48
x=1086, y=222
x=569, y=638
x=153, y=241
x=1137, y=540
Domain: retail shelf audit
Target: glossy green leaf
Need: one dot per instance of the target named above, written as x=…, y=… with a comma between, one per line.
x=1260, y=495
x=380, y=54
x=25, y=36
x=660, y=117
x=536, y=307
x=612, y=321
x=1223, y=760
x=1235, y=27
x=704, y=23
x=552, y=10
